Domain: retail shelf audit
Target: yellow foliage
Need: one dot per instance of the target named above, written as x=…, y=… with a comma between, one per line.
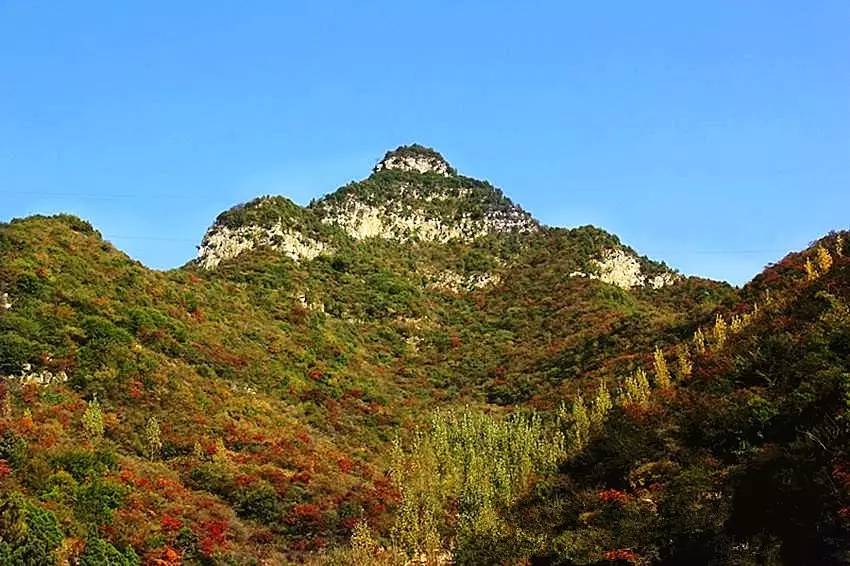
x=811, y=272
x=720, y=330
x=686, y=367
x=600, y=406
x=636, y=389
x=662, y=374
x=824, y=259
x=699, y=341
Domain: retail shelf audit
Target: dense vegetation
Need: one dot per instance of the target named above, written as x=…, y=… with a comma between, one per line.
x=357, y=408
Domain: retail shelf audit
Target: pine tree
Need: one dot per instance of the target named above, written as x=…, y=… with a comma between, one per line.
x=824, y=259
x=153, y=442
x=683, y=356
x=811, y=272
x=720, y=330
x=662, y=374
x=93, y=420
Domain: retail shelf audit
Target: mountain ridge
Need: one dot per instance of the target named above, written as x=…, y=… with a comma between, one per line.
x=256, y=412
x=412, y=193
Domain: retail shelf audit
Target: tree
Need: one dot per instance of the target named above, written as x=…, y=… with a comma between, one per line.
x=636, y=389
x=839, y=245
x=601, y=405
x=30, y=534
x=699, y=341
x=662, y=374
x=811, y=272
x=720, y=330
x=683, y=356
x=93, y=420
x=153, y=442
x=824, y=259
x=580, y=424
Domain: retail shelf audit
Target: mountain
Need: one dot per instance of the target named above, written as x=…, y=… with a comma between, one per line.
x=404, y=363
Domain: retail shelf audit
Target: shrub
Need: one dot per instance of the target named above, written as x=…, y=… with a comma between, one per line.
x=29, y=535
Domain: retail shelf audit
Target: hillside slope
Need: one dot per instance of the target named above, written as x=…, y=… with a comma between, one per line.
x=243, y=408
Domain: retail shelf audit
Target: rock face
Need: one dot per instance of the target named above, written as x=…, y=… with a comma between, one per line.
x=415, y=158
x=413, y=194
x=623, y=269
x=29, y=375
x=400, y=219
x=222, y=243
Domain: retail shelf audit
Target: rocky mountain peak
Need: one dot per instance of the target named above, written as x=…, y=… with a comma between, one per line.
x=415, y=158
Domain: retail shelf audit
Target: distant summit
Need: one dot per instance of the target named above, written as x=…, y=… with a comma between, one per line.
x=415, y=158
x=415, y=196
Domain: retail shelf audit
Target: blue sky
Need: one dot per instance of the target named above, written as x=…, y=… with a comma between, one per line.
x=715, y=137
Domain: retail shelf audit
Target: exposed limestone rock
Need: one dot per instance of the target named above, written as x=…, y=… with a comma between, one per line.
x=5, y=303
x=619, y=268
x=221, y=243
x=662, y=280
x=43, y=377
x=317, y=306
x=458, y=283
x=361, y=221
x=415, y=158
x=623, y=269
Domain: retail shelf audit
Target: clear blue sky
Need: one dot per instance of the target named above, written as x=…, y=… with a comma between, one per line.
x=715, y=137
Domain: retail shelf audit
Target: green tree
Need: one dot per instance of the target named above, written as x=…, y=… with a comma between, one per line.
x=153, y=442
x=93, y=420
x=29, y=535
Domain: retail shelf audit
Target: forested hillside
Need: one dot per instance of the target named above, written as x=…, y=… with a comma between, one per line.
x=412, y=367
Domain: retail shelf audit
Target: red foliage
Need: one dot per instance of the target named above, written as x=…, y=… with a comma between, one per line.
x=135, y=389
x=345, y=464
x=303, y=477
x=213, y=536
x=304, y=438
x=170, y=523
x=613, y=496
x=5, y=469
x=621, y=554
x=305, y=512
x=315, y=374
x=168, y=557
